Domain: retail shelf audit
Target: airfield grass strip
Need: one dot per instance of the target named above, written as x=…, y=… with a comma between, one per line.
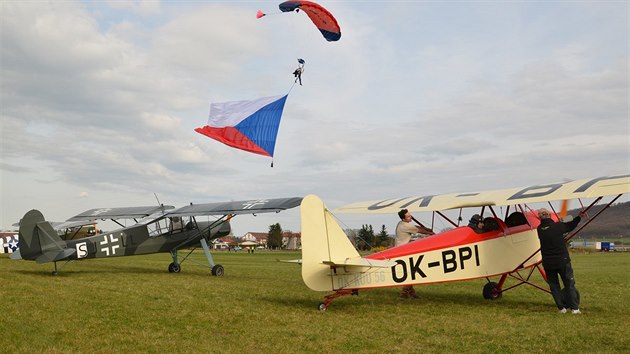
x=134, y=305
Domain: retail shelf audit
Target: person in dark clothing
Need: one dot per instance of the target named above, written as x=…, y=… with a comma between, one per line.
x=556, y=260
x=490, y=224
x=476, y=223
x=298, y=72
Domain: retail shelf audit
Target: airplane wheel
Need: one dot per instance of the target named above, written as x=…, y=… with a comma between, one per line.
x=174, y=268
x=217, y=270
x=322, y=306
x=491, y=291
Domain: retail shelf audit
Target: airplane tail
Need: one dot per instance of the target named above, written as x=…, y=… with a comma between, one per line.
x=323, y=243
x=38, y=241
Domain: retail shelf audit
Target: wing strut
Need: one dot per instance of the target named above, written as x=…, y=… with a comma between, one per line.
x=206, y=250
x=593, y=217
x=526, y=280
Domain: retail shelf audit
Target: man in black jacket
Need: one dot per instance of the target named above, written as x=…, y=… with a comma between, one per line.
x=556, y=260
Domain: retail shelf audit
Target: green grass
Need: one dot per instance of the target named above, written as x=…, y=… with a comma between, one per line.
x=133, y=304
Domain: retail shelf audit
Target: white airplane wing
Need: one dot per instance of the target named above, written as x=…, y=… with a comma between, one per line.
x=582, y=188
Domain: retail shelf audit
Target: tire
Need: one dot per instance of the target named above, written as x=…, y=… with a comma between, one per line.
x=491, y=291
x=174, y=268
x=217, y=270
x=322, y=307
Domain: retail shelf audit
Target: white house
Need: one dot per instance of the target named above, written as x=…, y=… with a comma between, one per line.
x=291, y=240
x=8, y=242
x=259, y=238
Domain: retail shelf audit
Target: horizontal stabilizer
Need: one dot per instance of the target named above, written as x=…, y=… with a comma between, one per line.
x=361, y=262
x=295, y=261
x=55, y=255
x=16, y=255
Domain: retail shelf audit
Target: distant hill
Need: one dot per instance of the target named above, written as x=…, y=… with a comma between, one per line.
x=613, y=222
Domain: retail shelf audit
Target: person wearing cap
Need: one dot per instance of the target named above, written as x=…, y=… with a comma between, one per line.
x=476, y=223
x=556, y=260
x=404, y=230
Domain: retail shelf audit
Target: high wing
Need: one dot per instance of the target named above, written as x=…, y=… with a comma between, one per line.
x=71, y=224
x=119, y=213
x=91, y=216
x=582, y=188
x=240, y=207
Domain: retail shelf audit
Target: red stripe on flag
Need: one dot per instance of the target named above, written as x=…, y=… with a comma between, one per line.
x=232, y=137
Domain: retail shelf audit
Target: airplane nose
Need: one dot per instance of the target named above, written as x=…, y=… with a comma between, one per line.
x=223, y=230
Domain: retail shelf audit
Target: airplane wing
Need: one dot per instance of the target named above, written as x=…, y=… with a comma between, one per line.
x=582, y=188
x=241, y=207
x=119, y=213
x=70, y=224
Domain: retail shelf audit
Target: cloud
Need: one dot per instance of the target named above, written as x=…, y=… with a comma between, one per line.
x=101, y=99
x=141, y=7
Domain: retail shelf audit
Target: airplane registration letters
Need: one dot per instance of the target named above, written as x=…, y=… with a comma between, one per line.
x=361, y=279
x=424, y=202
x=451, y=261
x=82, y=249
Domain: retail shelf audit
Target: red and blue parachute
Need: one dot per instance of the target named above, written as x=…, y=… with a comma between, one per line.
x=322, y=18
x=250, y=125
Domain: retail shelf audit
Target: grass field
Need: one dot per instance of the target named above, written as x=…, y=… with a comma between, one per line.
x=133, y=304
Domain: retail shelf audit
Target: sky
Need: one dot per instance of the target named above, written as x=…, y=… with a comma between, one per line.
x=99, y=101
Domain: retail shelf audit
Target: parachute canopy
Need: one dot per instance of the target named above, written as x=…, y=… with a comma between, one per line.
x=247, y=125
x=324, y=20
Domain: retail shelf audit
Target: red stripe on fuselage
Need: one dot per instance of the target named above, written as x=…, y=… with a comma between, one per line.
x=460, y=236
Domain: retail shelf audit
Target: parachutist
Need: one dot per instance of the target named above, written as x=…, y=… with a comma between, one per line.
x=298, y=75
x=298, y=72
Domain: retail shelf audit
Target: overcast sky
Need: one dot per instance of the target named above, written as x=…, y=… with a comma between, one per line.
x=99, y=100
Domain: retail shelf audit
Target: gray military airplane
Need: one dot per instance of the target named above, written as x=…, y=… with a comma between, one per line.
x=156, y=229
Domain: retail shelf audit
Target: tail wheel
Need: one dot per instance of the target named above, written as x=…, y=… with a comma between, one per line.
x=174, y=268
x=217, y=270
x=322, y=306
x=491, y=291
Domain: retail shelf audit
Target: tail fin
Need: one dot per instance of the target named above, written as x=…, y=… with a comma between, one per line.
x=38, y=240
x=323, y=240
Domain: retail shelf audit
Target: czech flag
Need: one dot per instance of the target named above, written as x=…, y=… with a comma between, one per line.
x=247, y=125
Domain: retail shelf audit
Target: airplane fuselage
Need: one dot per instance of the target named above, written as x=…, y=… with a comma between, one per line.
x=457, y=254
x=136, y=240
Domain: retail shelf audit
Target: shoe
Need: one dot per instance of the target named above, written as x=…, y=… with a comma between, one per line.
x=576, y=312
x=562, y=310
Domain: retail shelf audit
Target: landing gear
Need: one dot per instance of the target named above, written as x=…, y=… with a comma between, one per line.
x=329, y=298
x=217, y=270
x=174, y=268
x=491, y=291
